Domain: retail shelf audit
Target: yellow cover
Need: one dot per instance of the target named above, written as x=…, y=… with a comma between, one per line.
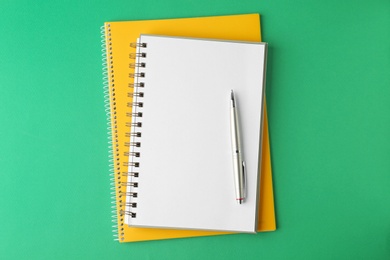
x=117, y=37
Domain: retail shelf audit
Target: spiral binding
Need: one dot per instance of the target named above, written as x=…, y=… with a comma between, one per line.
x=107, y=59
x=138, y=64
x=135, y=134
x=138, y=85
x=130, y=174
x=112, y=133
x=116, y=175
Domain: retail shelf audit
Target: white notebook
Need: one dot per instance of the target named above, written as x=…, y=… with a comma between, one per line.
x=180, y=149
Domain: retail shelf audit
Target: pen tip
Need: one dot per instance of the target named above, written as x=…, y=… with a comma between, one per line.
x=232, y=95
x=233, y=102
x=232, y=99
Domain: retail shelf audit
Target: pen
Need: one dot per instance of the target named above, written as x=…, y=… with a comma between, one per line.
x=238, y=162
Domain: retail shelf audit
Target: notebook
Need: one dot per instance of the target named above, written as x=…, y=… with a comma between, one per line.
x=180, y=156
x=235, y=27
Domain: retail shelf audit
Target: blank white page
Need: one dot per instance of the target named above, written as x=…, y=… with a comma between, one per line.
x=185, y=165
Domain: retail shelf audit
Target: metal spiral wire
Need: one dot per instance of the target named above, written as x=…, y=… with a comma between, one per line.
x=134, y=134
x=115, y=173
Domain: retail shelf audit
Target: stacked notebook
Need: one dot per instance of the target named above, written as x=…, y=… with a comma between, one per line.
x=168, y=85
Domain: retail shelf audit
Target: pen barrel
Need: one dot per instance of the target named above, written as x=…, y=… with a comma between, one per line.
x=238, y=171
x=239, y=181
x=235, y=131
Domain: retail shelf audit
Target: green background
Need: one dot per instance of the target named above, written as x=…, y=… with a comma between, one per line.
x=328, y=92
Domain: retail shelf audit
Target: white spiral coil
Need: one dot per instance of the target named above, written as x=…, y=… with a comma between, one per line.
x=106, y=59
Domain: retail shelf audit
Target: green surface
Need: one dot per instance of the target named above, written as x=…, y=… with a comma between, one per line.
x=329, y=113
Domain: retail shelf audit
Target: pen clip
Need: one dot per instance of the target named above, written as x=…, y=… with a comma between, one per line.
x=244, y=177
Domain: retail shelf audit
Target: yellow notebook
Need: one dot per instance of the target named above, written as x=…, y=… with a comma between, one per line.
x=116, y=48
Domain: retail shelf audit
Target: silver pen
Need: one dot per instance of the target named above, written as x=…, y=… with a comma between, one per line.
x=238, y=162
